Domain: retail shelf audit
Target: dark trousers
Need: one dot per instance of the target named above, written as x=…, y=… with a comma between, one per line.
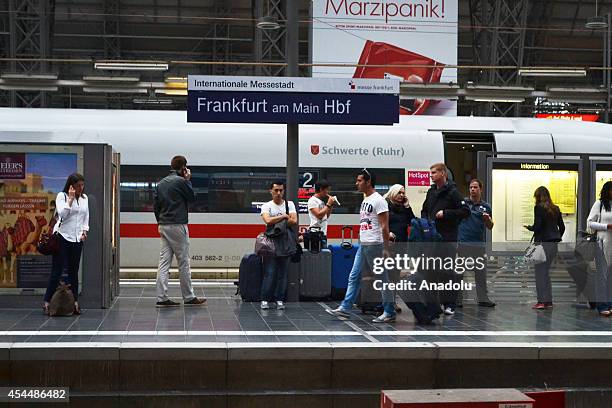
x=274, y=285
x=67, y=259
x=448, y=298
x=542, y=273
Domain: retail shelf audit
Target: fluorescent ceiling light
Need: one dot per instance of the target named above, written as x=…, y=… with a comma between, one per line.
x=36, y=77
x=541, y=72
x=94, y=78
x=176, y=79
x=152, y=101
x=177, y=92
x=90, y=89
x=132, y=66
x=28, y=88
x=494, y=99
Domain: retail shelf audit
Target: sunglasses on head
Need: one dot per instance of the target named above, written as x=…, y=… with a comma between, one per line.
x=366, y=172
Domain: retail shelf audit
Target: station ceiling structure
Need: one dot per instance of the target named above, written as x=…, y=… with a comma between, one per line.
x=77, y=53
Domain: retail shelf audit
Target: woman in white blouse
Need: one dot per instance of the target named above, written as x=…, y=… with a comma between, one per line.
x=72, y=227
x=600, y=221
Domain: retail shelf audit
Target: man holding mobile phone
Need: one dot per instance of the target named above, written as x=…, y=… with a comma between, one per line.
x=472, y=239
x=172, y=197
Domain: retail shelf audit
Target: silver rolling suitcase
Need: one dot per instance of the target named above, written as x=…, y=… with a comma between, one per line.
x=315, y=274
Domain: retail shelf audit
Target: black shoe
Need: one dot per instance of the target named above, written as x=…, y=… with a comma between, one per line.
x=166, y=303
x=486, y=304
x=195, y=302
x=460, y=306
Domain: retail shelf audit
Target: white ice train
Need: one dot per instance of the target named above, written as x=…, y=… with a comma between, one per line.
x=232, y=164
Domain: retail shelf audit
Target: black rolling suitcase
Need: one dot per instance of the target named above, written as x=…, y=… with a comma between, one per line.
x=293, y=282
x=250, y=276
x=369, y=300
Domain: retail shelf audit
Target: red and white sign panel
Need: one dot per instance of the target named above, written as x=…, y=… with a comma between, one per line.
x=418, y=178
x=569, y=116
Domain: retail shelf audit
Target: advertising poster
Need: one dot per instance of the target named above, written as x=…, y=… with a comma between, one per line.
x=411, y=40
x=29, y=183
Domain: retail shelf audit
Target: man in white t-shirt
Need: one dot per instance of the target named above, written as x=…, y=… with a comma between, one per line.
x=320, y=206
x=274, y=284
x=374, y=243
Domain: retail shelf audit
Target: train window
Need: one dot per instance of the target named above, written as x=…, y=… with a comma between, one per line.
x=242, y=189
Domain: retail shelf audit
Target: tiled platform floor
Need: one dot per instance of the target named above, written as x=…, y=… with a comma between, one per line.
x=134, y=318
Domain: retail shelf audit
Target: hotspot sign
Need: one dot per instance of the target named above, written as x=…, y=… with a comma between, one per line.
x=411, y=40
x=418, y=178
x=292, y=100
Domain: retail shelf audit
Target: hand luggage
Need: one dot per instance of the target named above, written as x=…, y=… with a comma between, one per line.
x=369, y=300
x=423, y=304
x=315, y=274
x=250, y=276
x=313, y=239
x=343, y=256
x=293, y=282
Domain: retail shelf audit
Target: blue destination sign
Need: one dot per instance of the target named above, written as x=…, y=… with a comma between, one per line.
x=280, y=107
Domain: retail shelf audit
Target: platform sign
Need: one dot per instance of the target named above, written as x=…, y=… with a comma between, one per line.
x=229, y=99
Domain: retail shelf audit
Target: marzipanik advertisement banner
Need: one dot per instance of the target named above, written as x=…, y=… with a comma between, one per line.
x=411, y=40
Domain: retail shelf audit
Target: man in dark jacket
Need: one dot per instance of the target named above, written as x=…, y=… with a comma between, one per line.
x=172, y=195
x=446, y=206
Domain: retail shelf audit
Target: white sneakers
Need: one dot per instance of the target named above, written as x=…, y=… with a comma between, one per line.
x=265, y=305
x=339, y=312
x=384, y=318
x=449, y=311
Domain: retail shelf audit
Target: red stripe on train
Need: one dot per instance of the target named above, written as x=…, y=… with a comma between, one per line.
x=216, y=231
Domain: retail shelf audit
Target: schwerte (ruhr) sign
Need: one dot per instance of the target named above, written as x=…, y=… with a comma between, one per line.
x=292, y=100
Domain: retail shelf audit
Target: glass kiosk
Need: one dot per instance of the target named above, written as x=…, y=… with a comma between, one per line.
x=512, y=183
x=31, y=176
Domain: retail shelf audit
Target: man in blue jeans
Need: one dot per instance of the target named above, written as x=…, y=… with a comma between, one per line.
x=374, y=243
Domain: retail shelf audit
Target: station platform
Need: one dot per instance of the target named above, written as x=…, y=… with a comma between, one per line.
x=231, y=353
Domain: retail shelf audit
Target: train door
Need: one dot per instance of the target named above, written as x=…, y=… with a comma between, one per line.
x=461, y=155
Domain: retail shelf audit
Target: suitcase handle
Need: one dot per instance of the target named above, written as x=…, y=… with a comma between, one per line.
x=347, y=244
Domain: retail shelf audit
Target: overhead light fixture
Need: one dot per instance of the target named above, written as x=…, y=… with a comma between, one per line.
x=494, y=99
x=552, y=72
x=268, y=23
x=94, y=78
x=34, y=77
x=597, y=22
x=131, y=66
x=91, y=89
x=29, y=88
x=152, y=101
x=175, y=79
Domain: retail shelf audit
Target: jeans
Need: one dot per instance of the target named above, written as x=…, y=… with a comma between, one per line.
x=603, y=280
x=354, y=281
x=367, y=253
x=274, y=285
x=542, y=273
x=67, y=258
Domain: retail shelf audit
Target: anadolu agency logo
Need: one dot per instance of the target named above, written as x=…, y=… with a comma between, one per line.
x=314, y=149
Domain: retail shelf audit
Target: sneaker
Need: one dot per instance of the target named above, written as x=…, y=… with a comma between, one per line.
x=605, y=313
x=449, y=311
x=539, y=306
x=338, y=312
x=166, y=303
x=264, y=305
x=384, y=318
x=280, y=305
x=195, y=302
x=488, y=303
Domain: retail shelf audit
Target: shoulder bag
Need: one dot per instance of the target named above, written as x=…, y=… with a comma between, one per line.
x=534, y=254
x=48, y=242
x=586, y=246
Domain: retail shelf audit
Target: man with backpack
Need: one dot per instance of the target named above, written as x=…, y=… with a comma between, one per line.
x=445, y=205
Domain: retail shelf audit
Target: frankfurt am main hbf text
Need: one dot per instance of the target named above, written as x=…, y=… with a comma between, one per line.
x=237, y=105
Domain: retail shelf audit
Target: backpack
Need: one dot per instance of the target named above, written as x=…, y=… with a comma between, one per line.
x=423, y=230
x=62, y=302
